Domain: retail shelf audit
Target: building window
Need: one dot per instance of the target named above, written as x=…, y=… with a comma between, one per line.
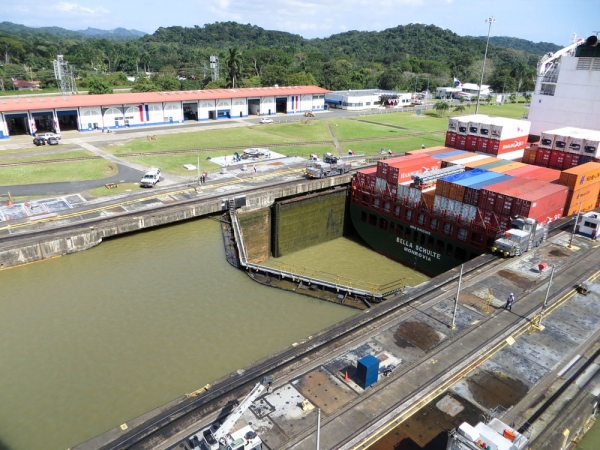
x=372, y=219
x=399, y=230
x=383, y=223
x=433, y=224
x=421, y=219
x=376, y=203
x=365, y=199
x=461, y=235
x=397, y=211
x=368, y=103
x=386, y=207
x=439, y=246
x=408, y=215
x=476, y=238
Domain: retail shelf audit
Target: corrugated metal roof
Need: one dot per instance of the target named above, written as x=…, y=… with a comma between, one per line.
x=74, y=101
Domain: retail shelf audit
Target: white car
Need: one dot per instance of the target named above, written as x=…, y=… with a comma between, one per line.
x=265, y=120
x=49, y=135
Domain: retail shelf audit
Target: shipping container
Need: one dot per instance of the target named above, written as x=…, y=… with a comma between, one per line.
x=549, y=217
x=461, y=142
x=582, y=198
x=542, y=157
x=382, y=166
x=430, y=150
x=530, y=198
x=515, y=155
x=471, y=143
x=497, y=163
x=497, y=147
x=427, y=197
x=464, y=160
x=452, y=124
x=591, y=145
x=529, y=155
x=507, y=167
x=557, y=159
x=544, y=174
x=450, y=139
x=575, y=144
x=482, y=144
x=505, y=129
x=444, y=185
x=571, y=160
x=580, y=176
x=472, y=191
x=547, y=140
x=455, y=157
x=474, y=128
x=585, y=159
x=480, y=162
x=452, y=152
x=402, y=173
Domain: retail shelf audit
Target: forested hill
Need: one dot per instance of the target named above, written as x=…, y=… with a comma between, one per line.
x=28, y=32
x=537, y=48
x=406, y=57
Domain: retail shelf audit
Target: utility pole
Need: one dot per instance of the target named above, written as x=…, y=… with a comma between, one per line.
x=318, y=428
x=456, y=298
x=546, y=298
x=198, y=166
x=491, y=20
x=575, y=226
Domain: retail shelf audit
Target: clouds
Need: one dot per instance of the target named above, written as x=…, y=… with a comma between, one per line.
x=313, y=18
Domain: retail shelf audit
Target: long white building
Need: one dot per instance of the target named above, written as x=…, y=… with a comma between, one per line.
x=27, y=115
x=360, y=99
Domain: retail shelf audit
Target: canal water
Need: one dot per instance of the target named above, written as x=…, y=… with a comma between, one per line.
x=91, y=340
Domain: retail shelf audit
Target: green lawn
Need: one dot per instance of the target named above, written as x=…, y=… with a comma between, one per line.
x=410, y=121
x=305, y=131
x=173, y=164
x=352, y=129
x=122, y=188
x=305, y=150
x=48, y=157
x=56, y=172
x=396, y=145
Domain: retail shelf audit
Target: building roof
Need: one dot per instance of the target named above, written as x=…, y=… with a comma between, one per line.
x=363, y=92
x=74, y=101
x=25, y=84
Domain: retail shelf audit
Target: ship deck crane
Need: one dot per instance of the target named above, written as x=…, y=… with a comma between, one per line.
x=548, y=62
x=220, y=438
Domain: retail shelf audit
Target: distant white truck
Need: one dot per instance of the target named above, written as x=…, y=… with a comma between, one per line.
x=151, y=177
x=47, y=136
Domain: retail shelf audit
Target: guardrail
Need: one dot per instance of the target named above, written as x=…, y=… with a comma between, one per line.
x=339, y=284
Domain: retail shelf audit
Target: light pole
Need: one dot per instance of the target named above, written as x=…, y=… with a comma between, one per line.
x=491, y=20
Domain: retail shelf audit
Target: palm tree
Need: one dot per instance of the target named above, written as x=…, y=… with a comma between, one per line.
x=234, y=64
x=459, y=109
x=441, y=107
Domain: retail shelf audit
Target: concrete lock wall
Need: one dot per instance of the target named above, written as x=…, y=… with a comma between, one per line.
x=256, y=230
x=301, y=223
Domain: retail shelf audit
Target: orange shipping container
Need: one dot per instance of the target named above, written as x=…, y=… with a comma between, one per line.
x=436, y=149
x=529, y=155
x=580, y=176
x=507, y=167
x=585, y=196
x=480, y=162
x=428, y=197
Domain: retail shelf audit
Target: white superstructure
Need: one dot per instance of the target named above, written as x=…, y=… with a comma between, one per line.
x=567, y=91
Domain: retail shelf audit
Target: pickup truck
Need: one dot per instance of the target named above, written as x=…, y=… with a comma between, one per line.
x=48, y=135
x=150, y=178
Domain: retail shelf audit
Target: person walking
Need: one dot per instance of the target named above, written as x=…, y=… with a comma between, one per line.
x=509, y=301
x=254, y=168
x=594, y=234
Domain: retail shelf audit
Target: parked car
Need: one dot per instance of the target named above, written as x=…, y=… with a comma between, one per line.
x=39, y=141
x=49, y=135
x=150, y=178
x=252, y=153
x=52, y=141
x=265, y=120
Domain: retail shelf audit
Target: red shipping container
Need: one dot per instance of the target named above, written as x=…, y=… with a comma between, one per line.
x=506, y=146
x=493, y=220
x=549, y=217
x=557, y=159
x=397, y=175
x=542, y=157
x=471, y=143
x=461, y=142
x=571, y=160
x=450, y=139
x=382, y=166
x=482, y=144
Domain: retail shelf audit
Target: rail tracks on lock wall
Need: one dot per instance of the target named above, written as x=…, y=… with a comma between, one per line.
x=167, y=424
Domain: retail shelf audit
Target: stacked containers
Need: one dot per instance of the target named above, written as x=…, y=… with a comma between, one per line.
x=494, y=164
x=583, y=183
x=451, y=132
x=463, y=160
x=365, y=178
x=473, y=190
x=535, y=173
x=529, y=155
x=480, y=162
x=430, y=151
x=508, y=167
x=572, y=141
x=535, y=199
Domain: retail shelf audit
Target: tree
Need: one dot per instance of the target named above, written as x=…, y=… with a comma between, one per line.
x=97, y=85
x=337, y=74
x=459, y=109
x=301, y=79
x=166, y=82
x=234, y=64
x=143, y=84
x=441, y=107
x=527, y=97
x=390, y=79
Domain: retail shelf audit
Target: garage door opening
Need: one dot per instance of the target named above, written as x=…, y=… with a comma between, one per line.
x=254, y=107
x=44, y=121
x=67, y=120
x=190, y=111
x=281, y=105
x=17, y=124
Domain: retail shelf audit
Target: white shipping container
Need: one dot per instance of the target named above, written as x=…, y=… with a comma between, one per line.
x=468, y=211
x=455, y=207
x=503, y=128
x=414, y=195
x=547, y=140
x=560, y=142
x=468, y=159
x=591, y=147
x=437, y=203
x=380, y=184
x=512, y=156
x=453, y=125
x=473, y=128
x=575, y=145
x=463, y=127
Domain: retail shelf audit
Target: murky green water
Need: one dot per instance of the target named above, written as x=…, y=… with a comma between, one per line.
x=351, y=262
x=91, y=340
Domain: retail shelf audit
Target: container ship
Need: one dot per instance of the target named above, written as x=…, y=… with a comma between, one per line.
x=433, y=209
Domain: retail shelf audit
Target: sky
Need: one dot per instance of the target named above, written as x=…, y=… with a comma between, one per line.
x=535, y=20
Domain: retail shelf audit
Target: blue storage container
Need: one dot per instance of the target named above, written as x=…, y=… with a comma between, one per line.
x=452, y=153
x=491, y=181
x=480, y=178
x=367, y=371
x=464, y=175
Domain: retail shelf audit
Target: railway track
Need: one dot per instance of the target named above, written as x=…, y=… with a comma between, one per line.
x=185, y=415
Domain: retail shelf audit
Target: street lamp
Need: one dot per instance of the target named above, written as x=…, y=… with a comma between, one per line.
x=491, y=20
